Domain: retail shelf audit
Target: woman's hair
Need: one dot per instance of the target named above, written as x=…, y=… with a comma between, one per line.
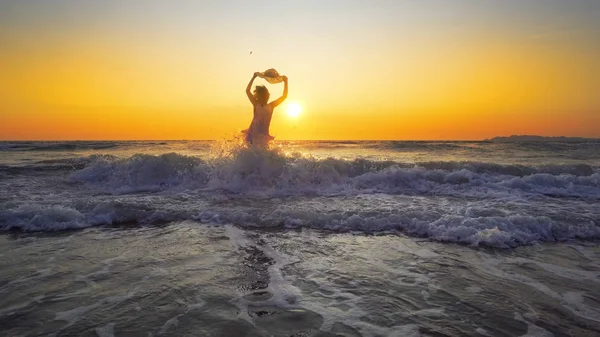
x=261, y=92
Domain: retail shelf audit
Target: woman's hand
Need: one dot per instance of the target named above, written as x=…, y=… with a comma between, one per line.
x=256, y=74
x=284, y=78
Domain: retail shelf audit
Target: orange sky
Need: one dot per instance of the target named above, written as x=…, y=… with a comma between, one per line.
x=393, y=70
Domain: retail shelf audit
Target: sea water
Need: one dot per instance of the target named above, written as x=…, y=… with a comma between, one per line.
x=306, y=239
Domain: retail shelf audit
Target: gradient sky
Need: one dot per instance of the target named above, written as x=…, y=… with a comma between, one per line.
x=397, y=69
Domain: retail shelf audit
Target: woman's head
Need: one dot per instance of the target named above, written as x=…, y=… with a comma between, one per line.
x=261, y=93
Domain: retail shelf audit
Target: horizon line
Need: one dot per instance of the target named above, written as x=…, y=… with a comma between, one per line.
x=294, y=140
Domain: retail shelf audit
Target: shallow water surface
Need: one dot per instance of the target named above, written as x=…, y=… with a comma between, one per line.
x=192, y=279
x=346, y=238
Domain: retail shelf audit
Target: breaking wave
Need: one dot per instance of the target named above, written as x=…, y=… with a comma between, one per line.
x=476, y=227
x=251, y=171
x=267, y=188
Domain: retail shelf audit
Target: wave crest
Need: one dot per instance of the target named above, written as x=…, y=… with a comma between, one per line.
x=475, y=227
x=250, y=171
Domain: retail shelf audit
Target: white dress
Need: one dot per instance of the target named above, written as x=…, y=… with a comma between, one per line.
x=258, y=132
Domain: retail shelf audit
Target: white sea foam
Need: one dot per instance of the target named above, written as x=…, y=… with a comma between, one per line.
x=482, y=332
x=250, y=172
x=150, y=189
x=169, y=324
x=467, y=227
x=42, y=218
x=473, y=289
x=343, y=306
x=106, y=331
x=285, y=294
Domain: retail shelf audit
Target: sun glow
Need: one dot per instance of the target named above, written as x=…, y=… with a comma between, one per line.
x=294, y=109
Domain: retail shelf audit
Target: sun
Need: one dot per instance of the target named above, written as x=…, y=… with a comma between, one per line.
x=294, y=109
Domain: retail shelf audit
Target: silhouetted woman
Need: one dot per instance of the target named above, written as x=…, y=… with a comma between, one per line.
x=258, y=132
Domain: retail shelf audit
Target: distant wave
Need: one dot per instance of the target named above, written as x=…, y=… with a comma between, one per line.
x=456, y=146
x=56, y=146
x=400, y=146
x=533, y=138
x=388, y=145
x=424, y=146
x=591, y=146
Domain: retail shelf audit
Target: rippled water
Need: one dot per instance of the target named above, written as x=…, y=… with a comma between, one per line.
x=307, y=239
x=206, y=280
x=479, y=193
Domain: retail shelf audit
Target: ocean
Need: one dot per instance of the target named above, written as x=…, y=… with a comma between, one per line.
x=310, y=238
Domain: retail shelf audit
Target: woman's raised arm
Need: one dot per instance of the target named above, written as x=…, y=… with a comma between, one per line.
x=284, y=96
x=249, y=88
